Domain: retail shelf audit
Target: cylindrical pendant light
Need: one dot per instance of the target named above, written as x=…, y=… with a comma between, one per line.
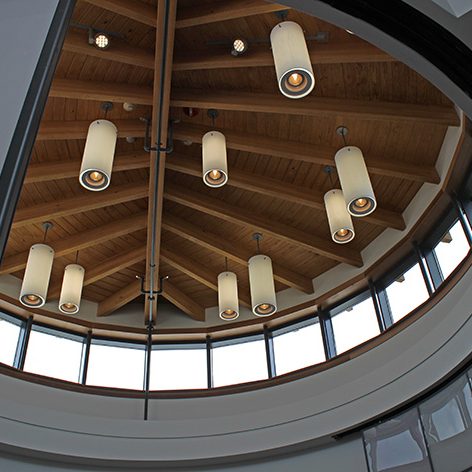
x=71, y=292
x=228, y=302
x=355, y=181
x=292, y=61
x=339, y=219
x=261, y=280
x=97, y=161
x=37, y=273
x=215, y=165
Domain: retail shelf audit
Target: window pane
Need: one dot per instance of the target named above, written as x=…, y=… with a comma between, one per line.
x=298, y=348
x=397, y=444
x=238, y=363
x=9, y=334
x=53, y=354
x=112, y=365
x=406, y=293
x=447, y=423
x=355, y=325
x=452, y=249
x=175, y=369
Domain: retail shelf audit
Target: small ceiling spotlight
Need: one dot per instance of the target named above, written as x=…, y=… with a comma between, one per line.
x=101, y=40
x=191, y=111
x=350, y=32
x=130, y=139
x=240, y=46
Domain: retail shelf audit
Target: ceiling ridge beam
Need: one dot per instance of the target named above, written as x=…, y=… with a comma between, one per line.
x=79, y=241
x=121, y=51
x=77, y=129
x=233, y=251
x=324, y=53
x=104, y=268
x=101, y=91
x=183, y=301
x=223, y=10
x=200, y=273
x=134, y=9
x=321, y=107
x=59, y=169
x=78, y=204
x=278, y=189
x=165, y=35
x=240, y=216
x=306, y=152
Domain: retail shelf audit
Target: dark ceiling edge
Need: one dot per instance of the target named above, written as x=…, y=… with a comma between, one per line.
x=400, y=29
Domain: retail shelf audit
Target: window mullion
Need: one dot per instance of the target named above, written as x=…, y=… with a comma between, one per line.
x=327, y=334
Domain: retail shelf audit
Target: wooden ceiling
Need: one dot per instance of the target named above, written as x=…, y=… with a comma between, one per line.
x=277, y=151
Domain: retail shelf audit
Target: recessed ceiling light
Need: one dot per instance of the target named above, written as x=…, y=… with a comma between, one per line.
x=239, y=47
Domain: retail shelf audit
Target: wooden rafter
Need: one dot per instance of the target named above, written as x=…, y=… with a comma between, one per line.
x=166, y=15
x=101, y=91
x=183, y=301
x=328, y=53
x=120, y=52
x=241, y=216
x=78, y=204
x=312, y=153
x=105, y=268
x=233, y=251
x=314, y=106
x=199, y=272
x=134, y=9
x=223, y=10
x=277, y=189
x=79, y=241
x=120, y=298
x=60, y=169
x=63, y=130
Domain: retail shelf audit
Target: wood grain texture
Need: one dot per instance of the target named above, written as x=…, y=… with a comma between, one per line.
x=314, y=106
x=183, y=301
x=134, y=9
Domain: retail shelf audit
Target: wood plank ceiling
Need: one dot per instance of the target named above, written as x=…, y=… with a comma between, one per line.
x=277, y=149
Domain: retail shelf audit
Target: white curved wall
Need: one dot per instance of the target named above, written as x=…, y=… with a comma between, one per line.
x=227, y=428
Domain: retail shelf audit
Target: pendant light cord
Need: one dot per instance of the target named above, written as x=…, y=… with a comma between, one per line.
x=77, y=257
x=226, y=264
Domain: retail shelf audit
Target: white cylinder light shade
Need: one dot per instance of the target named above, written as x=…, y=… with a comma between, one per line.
x=339, y=219
x=355, y=181
x=261, y=280
x=99, y=152
x=228, y=303
x=37, y=273
x=214, y=160
x=292, y=61
x=71, y=292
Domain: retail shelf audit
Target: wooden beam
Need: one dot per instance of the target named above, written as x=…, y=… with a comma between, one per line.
x=321, y=107
x=119, y=51
x=134, y=9
x=183, y=301
x=224, y=10
x=78, y=204
x=104, y=268
x=60, y=169
x=328, y=53
x=63, y=130
x=79, y=241
x=313, y=153
x=197, y=271
x=120, y=298
x=165, y=32
x=257, y=222
x=233, y=251
x=277, y=189
x=101, y=91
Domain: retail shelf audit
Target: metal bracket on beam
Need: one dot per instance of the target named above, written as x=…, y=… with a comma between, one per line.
x=170, y=140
